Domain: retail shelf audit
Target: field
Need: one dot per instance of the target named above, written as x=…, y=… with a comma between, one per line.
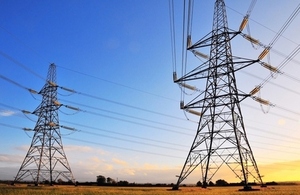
x=93, y=190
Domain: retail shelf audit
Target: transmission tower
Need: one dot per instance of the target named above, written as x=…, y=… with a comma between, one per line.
x=46, y=159
x=221, y=137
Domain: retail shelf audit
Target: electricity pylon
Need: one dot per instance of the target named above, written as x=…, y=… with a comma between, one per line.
x=46, y=159
x=221, y=137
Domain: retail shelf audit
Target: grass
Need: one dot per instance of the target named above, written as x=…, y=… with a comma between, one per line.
x=93, y=190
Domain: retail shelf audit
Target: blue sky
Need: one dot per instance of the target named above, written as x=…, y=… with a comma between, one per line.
x=120, y=52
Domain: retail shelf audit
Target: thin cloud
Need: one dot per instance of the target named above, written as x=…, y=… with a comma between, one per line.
x=119, y=162
x=7, y=113
x=9, y=159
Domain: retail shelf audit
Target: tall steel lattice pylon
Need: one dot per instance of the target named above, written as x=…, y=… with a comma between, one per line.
x=46, y=159
x=221, y=137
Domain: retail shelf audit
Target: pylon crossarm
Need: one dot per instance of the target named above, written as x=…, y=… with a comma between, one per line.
x=198, y=104
x=208, y=39
x=240, y=62
x=205, y=41
x=201, y=69
x=201, y=72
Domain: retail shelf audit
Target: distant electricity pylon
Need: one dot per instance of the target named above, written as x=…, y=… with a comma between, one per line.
x=46, y=159
x=221, y=137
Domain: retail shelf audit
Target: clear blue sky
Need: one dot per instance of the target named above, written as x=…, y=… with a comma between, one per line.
x=120, y=52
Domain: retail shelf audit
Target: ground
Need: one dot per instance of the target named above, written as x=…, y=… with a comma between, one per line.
x=93, y=190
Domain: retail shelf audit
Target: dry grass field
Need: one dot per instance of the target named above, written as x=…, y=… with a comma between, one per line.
x=93, y=190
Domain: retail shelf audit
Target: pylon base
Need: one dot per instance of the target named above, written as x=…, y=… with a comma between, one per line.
x=248, y=188
x=175, y=188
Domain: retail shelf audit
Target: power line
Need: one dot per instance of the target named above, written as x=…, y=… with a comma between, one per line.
x=261, y=25
x=272, y=138
x=123, y=134
x=152, y=153
x=142, y=138
x=115, y=83
x=281, y=146
x=107, y=145
x=163, y=142
x=125, y=115
x=123, y=148
x=136, y=123
x=16, y=127
x=99, y=98
x=21, y=65
x=130, y=149
x=78, y=72
x=271, y=113
x=128, y=116
x=127, y=140
x=275, y=84
x=18, y=84
x=172, y=32
x=99, y=129
x=275, y=150
x=285, y=26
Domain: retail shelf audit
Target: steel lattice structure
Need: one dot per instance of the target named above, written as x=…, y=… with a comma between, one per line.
x=221, y=137
x=46, y=159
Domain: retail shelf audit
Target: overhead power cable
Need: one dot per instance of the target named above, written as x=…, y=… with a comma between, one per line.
x=118, y=133
x=271, y=138
x=285, y=26
x=137, y=123
x=172, y=32
x=271, y=126
x=275, y=84
x=22, y=42
x=123, y=134
x=122, y=148
x=152, y=140
x=147, y=139
x=275, y=134
x=98, y=129
x=32, y=91
x=281, y=146
x=293, y=54
x=128, y=116
x=275, y=114
x=151, y=126
x=115, y=83
x=129, y=141
x=287, y=38
x=115, y=118
x=98, y=98
x=21, y=65
x=246, y=17
x=97, y=143
x=271, y=149
x=79, y=72
x=41, y=77
x=127, y=105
